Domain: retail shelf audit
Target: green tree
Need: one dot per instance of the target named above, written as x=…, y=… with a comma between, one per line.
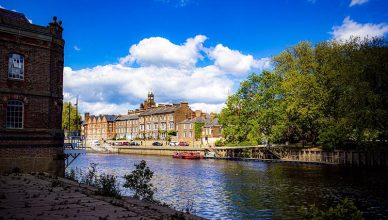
x=75, y=120
x=198, y=130
x=140, y=181
x=333, y=94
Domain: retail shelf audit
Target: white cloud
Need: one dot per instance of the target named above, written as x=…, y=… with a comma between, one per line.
x=357, y=2
x=167, y=69
x=159, y=51
x=2, y=7
x=76, y=48
x=208, y=108
x=234, y=62
x=351, y=28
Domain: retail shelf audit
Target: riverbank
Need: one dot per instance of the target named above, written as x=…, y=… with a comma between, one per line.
x=278, y=154
x=40, y=196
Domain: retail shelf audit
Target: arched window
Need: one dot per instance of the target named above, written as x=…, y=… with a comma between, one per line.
x=14, y=114
x=15, y=66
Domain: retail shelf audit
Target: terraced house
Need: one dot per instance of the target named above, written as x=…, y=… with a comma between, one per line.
x=127, y=126
x=210, y=129
x=157, y=121
x=101, y=127
x=152, y=121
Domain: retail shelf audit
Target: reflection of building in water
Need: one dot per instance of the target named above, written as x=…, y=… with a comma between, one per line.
x=31, y=80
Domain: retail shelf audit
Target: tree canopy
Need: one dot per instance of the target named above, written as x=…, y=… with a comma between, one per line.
x=333, y=94
x=75, y=120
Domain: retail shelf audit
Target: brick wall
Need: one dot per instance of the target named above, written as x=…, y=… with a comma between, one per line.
x=38, y=146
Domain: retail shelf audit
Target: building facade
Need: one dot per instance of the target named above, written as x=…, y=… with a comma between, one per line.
x=101, y=127
x=211, y=132
x=31, y=94
x=150, y=121
x=186, y=128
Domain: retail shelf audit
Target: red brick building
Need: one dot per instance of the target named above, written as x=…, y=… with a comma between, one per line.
x=31, y=94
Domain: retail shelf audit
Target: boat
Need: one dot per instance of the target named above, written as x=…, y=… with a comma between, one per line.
x=188, y=155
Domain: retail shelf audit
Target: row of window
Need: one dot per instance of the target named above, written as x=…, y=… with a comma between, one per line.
x=161, y=117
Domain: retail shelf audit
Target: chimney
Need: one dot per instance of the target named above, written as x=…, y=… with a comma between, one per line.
x=184, y=104
x=56, y=28
x=198, y=113
x=86, y=116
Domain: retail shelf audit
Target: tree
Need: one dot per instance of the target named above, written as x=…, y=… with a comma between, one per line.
x=333, y=94
x=140, y=181
x=198, y=130
x=75, y=120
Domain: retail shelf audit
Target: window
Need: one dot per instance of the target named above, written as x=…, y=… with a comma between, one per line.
x=184, y=126
x=191, y=126
x=14, y=114
x=15, y=66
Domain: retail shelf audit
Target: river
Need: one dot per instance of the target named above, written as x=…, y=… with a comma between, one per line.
x=220, y=189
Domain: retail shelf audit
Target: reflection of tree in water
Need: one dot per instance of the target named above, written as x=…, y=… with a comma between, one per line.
x=279, y=190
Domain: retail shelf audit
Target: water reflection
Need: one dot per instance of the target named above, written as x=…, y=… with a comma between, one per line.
x=251, y=190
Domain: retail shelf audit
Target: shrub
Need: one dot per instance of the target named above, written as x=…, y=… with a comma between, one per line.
x=91, y=177
x=70, y=175
x=247, y=153
x=140, y=181
x=345, y=210
x=107, y=186
x=219, y=143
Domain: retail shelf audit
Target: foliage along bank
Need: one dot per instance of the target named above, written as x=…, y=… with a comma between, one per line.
x=333, y=94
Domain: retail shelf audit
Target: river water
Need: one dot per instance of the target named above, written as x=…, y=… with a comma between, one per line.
x=220, y=189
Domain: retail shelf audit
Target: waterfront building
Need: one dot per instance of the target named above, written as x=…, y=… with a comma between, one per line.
x=101, y=127
x=31, y=94
x=127, y=126
x=154, y=123
x=186, y=128
x=212, y=131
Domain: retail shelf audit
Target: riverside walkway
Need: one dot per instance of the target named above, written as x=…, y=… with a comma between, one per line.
x=25, y=196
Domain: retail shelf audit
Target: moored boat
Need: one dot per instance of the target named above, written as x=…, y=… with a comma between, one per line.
x=188, y=155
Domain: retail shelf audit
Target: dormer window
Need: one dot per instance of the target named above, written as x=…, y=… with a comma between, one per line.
x=15, y=66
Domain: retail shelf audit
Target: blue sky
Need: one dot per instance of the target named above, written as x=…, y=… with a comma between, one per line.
x=230, y=39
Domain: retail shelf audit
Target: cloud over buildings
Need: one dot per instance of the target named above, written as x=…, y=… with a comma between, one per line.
x=170, y=70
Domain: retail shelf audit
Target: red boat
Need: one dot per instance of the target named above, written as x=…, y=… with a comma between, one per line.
x=188, y=155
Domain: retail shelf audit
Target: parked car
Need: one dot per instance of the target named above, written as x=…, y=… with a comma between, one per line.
x=183, y=143
x=157, y=144
x=133, y=143
x=125, y=143
x=174, y=143
x=95, y=143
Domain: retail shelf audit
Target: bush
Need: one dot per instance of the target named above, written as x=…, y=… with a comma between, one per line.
x=91, y=177
x=70, y=175
x=219, y=143
x=345, y=210
x=140, y=181
x=247, y=153
x=107, y=186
